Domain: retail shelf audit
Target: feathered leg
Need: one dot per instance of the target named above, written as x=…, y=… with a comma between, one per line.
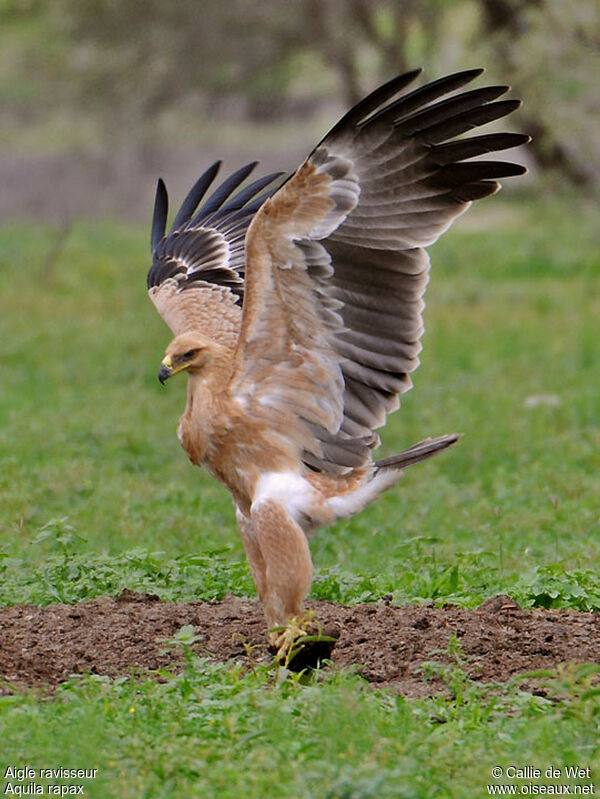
x=279, y=556
x=253, y=553
x=287, y=573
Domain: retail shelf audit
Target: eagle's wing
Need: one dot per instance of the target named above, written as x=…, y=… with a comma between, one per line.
x=196, y=280
x=332, y=315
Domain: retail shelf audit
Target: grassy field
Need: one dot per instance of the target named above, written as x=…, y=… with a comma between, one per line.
x=97, y=495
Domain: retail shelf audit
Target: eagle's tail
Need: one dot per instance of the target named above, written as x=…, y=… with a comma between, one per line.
x=385, y=473
x=418, y=452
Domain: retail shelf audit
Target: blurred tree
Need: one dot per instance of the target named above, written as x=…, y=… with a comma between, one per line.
x=143, y=56
x=125, y=64
x=391, y=35
x=553, y=59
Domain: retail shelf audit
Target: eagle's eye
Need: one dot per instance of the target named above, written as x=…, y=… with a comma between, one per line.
x=189, y=354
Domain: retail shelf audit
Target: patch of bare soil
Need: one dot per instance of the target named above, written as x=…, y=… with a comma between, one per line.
x=41, y=647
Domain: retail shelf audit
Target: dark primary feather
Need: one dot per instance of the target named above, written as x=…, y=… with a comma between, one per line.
x=239, y=201
x=159, y=217
x=194, y=196
x=372, y=102
x=476, y=145
x=205, y=244
x=220, y=195
x=467, y=120
x=418, y=98
x=444, y=110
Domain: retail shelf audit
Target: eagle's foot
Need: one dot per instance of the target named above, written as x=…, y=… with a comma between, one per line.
x=303, y=642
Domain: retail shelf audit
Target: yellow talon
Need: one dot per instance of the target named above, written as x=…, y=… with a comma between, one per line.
x=297, y=636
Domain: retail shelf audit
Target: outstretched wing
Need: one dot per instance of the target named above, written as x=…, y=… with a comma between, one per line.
x=336, y=269
x=196, y=280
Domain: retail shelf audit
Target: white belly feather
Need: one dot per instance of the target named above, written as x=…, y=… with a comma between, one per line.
x=289, y=489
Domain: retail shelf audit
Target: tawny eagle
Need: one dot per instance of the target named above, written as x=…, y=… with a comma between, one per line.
x=296, y=306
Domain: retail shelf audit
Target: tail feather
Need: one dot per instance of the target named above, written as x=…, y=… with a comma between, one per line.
x=418, y=452
x=386, y=472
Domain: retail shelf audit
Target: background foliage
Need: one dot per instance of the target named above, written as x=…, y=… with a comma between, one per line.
x=132, y=75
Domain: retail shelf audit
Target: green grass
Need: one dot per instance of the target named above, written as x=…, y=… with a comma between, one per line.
x=97, y=495
x=216, y=732
x=88, y=434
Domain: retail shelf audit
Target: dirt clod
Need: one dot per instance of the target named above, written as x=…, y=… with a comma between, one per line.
x=42, y=647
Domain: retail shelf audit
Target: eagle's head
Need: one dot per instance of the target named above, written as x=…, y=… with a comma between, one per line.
x=189, y=351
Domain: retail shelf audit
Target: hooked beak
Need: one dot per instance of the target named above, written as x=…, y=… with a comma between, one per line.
x=166, y=369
